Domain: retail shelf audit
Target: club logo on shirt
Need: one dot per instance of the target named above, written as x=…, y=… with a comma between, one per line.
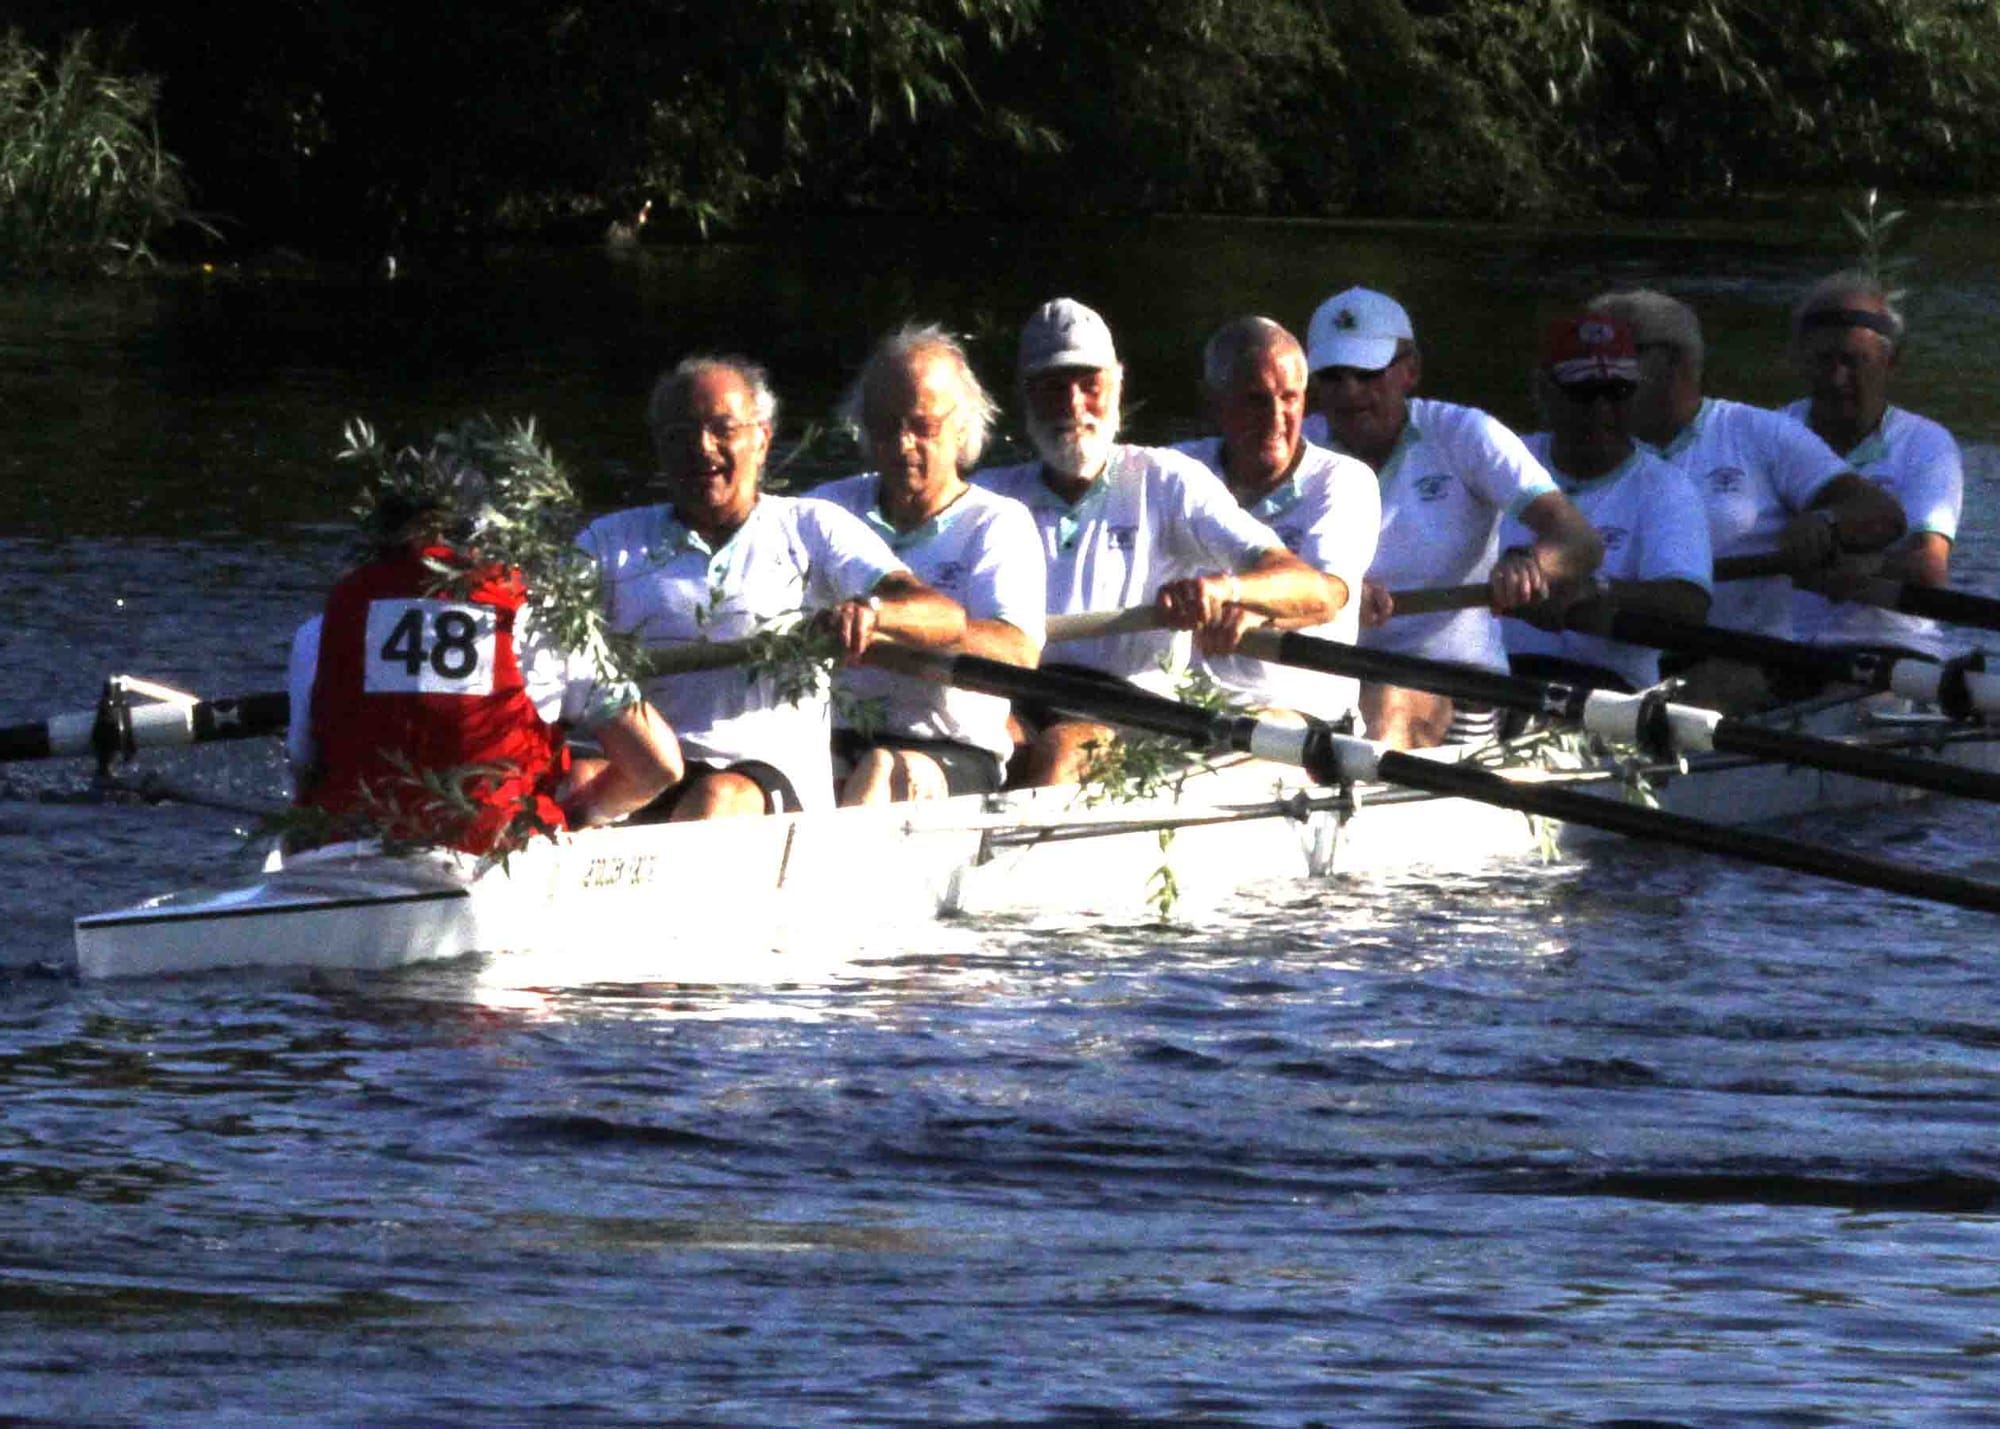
x=1121, y=538
x=1725, y=479
x=1614, y=537
x=1433, y=487
x=949, y=576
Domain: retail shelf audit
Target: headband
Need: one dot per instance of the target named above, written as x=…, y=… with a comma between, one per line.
x=1852, y=317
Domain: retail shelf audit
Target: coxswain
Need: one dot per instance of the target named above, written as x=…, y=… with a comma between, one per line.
x=920, y=411
x=1325, y=507
x=1647, y=513
x=429, y=703
x=721, y=559
x=1769, y=484
x=1846, y=339
x=1125, y=525
x=1448, y=476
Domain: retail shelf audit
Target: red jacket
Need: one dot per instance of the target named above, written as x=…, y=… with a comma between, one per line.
x=409, y=683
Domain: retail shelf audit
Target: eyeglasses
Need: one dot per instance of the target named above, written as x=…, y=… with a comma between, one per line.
x=725, y=430
x=916, y=426
x=1613, y=390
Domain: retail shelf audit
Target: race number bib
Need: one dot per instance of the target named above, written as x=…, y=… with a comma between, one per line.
x=430, y=647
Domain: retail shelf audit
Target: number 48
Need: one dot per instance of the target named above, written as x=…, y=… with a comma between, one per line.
x=453, y=655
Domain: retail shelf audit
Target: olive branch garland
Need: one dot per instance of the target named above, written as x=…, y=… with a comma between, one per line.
x=496, y=495
x=503, y=499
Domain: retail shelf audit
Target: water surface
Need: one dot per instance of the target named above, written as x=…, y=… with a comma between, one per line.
x=1644, y=1138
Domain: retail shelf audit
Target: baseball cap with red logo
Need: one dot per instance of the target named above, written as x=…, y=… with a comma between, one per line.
x=1591, y=347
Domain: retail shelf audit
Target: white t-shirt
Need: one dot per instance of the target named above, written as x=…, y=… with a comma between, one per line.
x=1454, y=475
x=662, y=581
x=1756, y=469
x=1329, y=514
x=1916, y=461
x=984, y=552
x=1654, y=529
x=564, y=687
x=1153, y=515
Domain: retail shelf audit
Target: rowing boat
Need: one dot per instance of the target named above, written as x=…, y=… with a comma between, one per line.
x=745, y=900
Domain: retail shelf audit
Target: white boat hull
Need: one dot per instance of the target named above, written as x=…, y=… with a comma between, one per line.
x=769, y=899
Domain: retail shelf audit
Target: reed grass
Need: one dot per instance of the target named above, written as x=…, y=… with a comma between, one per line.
x=84, y=182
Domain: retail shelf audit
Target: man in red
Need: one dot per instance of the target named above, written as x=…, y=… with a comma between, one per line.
x=426, y=706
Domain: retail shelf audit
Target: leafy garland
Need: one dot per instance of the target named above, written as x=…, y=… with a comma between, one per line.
x=499, y=497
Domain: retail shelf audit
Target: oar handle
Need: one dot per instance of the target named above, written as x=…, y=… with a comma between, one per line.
x=699, y=655
x=1429, y=600
x=1094, y=624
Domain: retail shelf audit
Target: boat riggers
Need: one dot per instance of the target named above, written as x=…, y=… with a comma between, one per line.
x=1332, y=758
x=119, y=728
x=1648, y=719
x=1663, y=729
x=1960, y=687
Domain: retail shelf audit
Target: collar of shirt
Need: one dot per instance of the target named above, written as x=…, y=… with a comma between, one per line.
x=1687, y=436
x=1567, y=483
x=1280, y=498
x=900, y=541
x=676, y=537
x=1874, y=446
x=1072, y=518
x=1406, y=441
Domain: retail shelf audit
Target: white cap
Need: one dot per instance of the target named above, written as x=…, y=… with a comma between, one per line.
x=1064, y=333
x=1358, y=328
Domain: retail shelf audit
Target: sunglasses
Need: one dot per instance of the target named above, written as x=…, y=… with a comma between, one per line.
x=1607, y=390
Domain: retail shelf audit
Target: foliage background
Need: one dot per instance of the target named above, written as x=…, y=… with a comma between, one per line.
x=339, y=123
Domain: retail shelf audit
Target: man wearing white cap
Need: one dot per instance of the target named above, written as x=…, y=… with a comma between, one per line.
x=1648, y=514
x=1846, y=337
x=1127, y=525
x=1324, y=506
x=1449, y=475
x=1769, y=485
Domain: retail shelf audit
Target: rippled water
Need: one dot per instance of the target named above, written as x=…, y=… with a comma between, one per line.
x=1645, y=1138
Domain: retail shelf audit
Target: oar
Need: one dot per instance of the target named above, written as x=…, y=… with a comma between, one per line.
x=1331, y=758
x=1961, y=687
x=173, y=719
x=1955, y=607
x=1646, y=720
x=1429, y=600
x=119, y=727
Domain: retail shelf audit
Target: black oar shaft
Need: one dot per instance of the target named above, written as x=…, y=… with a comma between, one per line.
x=1737, y=736
x=1327, y=756
x=112, y=730
x=1572, y=806
x=1638, y=627
x=1956, y=607
x=1459, y=682
x=1569, y=703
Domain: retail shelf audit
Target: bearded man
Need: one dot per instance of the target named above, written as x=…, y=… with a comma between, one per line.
x=1129, y=525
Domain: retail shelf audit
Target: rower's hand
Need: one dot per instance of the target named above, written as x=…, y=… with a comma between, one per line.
x=1809, y=541
x=1517, y=580
x=1194, y=601
x=1846, y=578
x=1565, y=599
x=1377, y=605
x=854, y=623
x=1222, y=635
